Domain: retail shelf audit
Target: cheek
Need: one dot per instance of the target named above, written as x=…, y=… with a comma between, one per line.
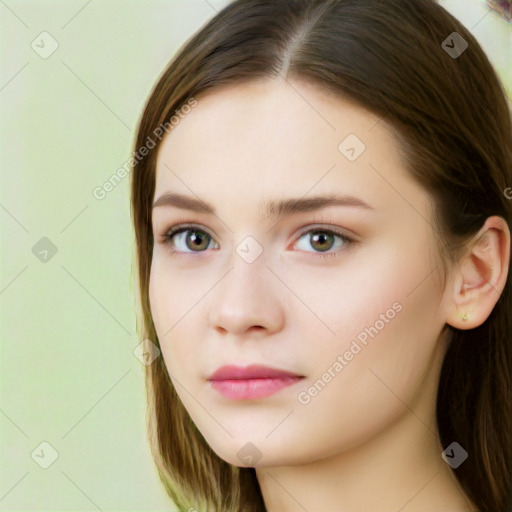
x=347, y=402
x=174, y=300
x=163, y=304
x=387, y=320
x=170, y=295
x=361, y=297
x=398, y=331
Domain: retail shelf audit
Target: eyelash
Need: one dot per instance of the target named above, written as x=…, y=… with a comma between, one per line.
x=347, y=241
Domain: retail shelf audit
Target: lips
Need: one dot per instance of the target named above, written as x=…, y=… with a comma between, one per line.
x=254, y=371
x=251, y=382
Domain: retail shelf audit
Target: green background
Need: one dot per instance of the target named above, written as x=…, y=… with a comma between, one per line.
x=69, y=376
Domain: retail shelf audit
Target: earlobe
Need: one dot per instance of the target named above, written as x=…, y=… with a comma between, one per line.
x=481, y=275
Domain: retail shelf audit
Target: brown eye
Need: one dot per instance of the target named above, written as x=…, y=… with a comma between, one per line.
x=324, y=241
x=321, y=240
x=196, y=240
x=189, y=239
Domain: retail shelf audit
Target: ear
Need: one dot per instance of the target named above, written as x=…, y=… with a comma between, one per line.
x=481, y=275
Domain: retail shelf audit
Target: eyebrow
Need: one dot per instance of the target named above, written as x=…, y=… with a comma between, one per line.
x=273, y=209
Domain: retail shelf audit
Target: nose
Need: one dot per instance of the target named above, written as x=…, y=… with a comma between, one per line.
x=249, y=299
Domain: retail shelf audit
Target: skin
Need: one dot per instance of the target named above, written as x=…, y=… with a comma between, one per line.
x=367, y=441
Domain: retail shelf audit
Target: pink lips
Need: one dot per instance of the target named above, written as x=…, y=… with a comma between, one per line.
x=253, y=381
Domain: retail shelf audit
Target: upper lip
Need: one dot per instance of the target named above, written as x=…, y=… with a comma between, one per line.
x=254, y=371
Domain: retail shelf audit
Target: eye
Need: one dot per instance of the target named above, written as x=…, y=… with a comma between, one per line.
x=189, y=239
x=324, y=240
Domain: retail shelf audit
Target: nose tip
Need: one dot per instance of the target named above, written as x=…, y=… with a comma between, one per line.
x=236, y=322
x=246, y=303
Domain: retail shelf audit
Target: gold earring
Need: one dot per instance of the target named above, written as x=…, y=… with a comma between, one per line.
x=465, y=317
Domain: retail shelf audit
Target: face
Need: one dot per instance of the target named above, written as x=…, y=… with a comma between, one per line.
x=346, y=296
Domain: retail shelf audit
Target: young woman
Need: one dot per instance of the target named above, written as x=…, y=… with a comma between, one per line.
x=322, y=208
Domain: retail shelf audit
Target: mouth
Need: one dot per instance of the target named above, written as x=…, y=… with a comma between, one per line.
x=251, y=382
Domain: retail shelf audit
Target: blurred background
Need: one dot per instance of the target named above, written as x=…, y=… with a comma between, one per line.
x=74, y=77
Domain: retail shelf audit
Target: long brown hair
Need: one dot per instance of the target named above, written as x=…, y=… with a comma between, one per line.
x=453, y=123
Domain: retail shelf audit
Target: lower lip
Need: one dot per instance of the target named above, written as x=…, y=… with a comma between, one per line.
x=252, y=388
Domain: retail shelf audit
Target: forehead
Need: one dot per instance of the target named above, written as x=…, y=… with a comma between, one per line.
x=278, y=139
